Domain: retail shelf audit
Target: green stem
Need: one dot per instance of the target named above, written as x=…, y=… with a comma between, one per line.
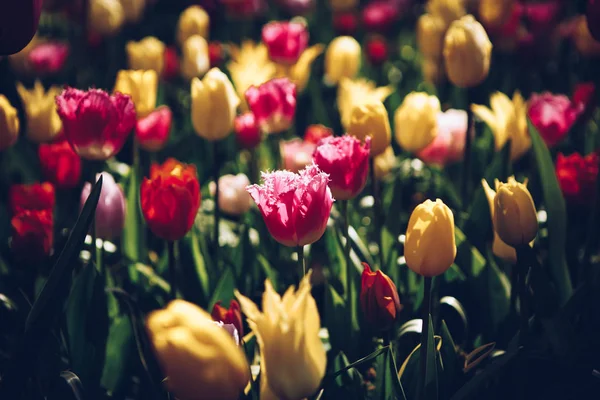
x=172, y=268
x=377, y=211
x=466, y=172
x=425, y=311
x=273, y=141
x=217, y=211
x=345, y=205
x=301, y=261
x=522, y=268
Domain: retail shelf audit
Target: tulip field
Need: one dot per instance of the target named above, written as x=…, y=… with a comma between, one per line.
x=299, y=199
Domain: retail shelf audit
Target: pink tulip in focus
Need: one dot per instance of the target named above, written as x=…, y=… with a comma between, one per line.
x=273, y=104
x=110, y=213
x=285, y=41
x=553, y=116
x=346, y=160
x=247, y=132
x=233, y=197
x=152, y=131
x=295, y=207
x=449, y=144
x=49, y=58
x=296, y=154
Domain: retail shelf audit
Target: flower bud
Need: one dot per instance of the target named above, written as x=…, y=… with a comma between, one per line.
x=494, y=13
x=247, y=131
x=273, y=104
x=515, y=217
x=449, y=143
x=105, y=17
x=342, y=59
x=110, y=212
x=233, y=197
x=285, y=41
x=430, y=35
x=377, y=50
x=196, y=355
x=9, y=123
x=379, y=299
x=296, y=154
x=415, y=121
x=148, y=53
x=499, y=248
x=215, y=54
x=141, y=86
x=60, y=164
x=43, y=122
x=371, y=119
x=214, y=103
x=171, y=63
x=192, y=21
x=152, y=131
x=49, y=58
x=430, y=248
x=553, y=116
x=195, y=61
x=447, y=10
x=467, y=52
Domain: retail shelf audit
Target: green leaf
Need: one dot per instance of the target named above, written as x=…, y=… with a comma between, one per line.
x=450, y=363
x=493, y=290
x=468, y=258
x=337, y=261
x=199, y=263
x=334, y=318
x=224, y=290
x=557, y=219
x=410, y=370
x=349, y=383
x=118, y=354
x=133, y=240
x=356, y=363
x=431, y=379
x=387, y=385
x=268, y=269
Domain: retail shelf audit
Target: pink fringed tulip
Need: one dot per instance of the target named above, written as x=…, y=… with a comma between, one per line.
x=152, y=131
x=273, y=104
x=553, y=116
x=110, y=213
x=295, y=207
x=449, y=144
x=346, y=160
x=296, y=154
x=49, y=58
x=285, y=41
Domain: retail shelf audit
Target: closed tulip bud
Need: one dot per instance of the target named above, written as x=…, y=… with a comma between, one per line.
x=199, y=357
x=285, y=41
x=231, y=315
x=343, y=5
x=35, y=196
x=273, y=104
x=430, y=35
x=49, y=58
x=499, y=247
x=133, y=9
x=247, y=131
x=195, y=61
x=371, y=119
x=314, y=133
x=214, y=102
x=9, y=123
x=415, y=121
x=105, y=17
x=342, y=59
x=467, y=52
x=377, y=50
x=152, y=131
x=142, y=86
x=430, y=248
x=32, y=235
x=447, y=10
x=193, y=21
x=296, y=154
x=148, y=53
x=215, y=54
x=43, y=122
x=449, y=143
x=515, y=217
x=110, y=212
x=171, y=64
x=305, y=196
x=494, y=13
x=384, y=163
x=289, y=333
x=60, y=164
x=379, y=299
x=233, y=197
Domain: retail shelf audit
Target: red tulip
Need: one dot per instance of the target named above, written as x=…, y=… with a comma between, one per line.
x=215, y=54
x=19, y=21
x=377, y=50
x=346, y=160
x=95, y=123
x=295, y=207
x=247, y=132
x=286, y=41
x=232, y=315
x=553, y=116
x=345, y=23
x=379, y=16
x=49, y=58
x=577, y=176
x=152, y=132
x=296, y=154
x=379, y=298
x=584, y=96
x=36, y=196
x=60, y=164
x=171, y=69
x=314, y=133
x=273, y=104
x=110, y=212
x=170, y=199
x=592, y=14
x=32, y=235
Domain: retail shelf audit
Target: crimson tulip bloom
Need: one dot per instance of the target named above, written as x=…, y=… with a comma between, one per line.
x=285, y=41
x=170, y=199
x=346, y=160
x=231, y=315
x=379, y=298
x=36, y=196
x=32, y=234
x=295, y=207
x=95, y=123
x=247, y=132
x=314, y=133
x=553, y=116
x=577, y=176
x=273, y=104
x=60, y=164
x=152, y=131
x=49, y=58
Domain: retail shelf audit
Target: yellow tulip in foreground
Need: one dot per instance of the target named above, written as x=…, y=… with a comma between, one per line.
x=193, y=21
x=148, y=53
x=499, y=248
x=200, y=358
x=9, y=123
x=141, y=86
x=467, y=52
x=214, y=102
x=515, y=217
x=415, y=121
x=43, y=122
x=430, y=248
x=342, y=59
x=371, y=119
x=292, y=356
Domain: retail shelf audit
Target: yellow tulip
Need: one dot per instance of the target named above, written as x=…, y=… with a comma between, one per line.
x=105, y=17
x=199, y=357
x=430, y=35
x=292, y=356
x=195, y=61
x=384, y=163
x=515, y=217
x=499, y=248
x=133, y=9
x=141, y=86
x=342, y=59
x=299, y=73
x=467, y=52
x=495, y=13
x=415, y=121
x=43, y=122
x=430, y=248
x=355, y=91
x=214, y=102
x=370, y=118
x=192, y=21
x=583, y=39
x=447, y=10
x=9, y=123
x=343, y=5
x=508, y=121
x=148, y=53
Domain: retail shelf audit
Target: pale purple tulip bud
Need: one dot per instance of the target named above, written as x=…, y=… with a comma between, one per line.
x=110, y=213
x=230, y=328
